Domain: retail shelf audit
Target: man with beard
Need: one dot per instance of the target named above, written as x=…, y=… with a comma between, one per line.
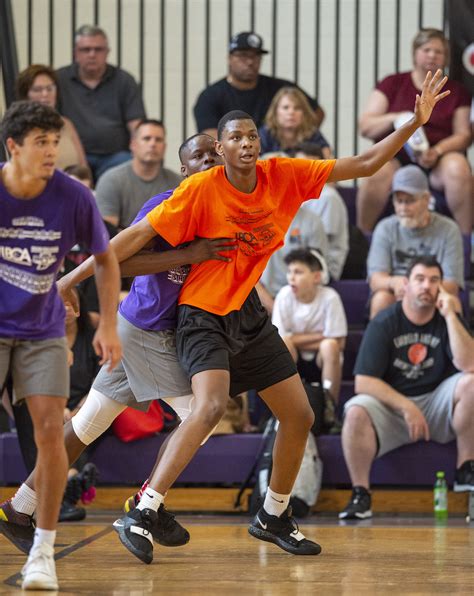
x=414, y=378
x=412, y=231
x=43, y=214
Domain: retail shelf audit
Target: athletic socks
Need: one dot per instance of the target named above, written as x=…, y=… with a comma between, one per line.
x=139, y=494
x=44, y=536
x=275, y=504
x=24, y=500
x=150, y=499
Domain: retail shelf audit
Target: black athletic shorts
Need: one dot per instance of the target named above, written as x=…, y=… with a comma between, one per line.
x=244, y=342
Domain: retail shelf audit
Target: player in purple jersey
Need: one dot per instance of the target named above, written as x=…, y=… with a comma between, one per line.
x=43, y=213
x=149, y=368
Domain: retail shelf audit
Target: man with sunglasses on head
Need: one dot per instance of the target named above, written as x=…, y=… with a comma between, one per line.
x=412, y=231
x=103, y=101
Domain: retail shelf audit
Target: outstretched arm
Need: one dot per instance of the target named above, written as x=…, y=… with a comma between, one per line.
x=374, y=158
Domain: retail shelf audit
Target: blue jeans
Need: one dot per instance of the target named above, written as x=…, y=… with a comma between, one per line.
x=100, y=163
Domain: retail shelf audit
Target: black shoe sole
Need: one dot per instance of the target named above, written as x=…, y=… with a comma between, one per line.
x=164, y=542
x=132, y=548
x=23, y=544
x=269, y=537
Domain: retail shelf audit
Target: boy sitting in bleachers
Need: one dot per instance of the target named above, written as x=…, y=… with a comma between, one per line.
x=310, y=318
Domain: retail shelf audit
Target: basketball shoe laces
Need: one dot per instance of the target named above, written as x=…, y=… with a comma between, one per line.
x=290, y=525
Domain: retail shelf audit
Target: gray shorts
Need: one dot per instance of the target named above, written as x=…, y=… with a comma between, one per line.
x=38, y=367
x=149, y=368
x=390, y=426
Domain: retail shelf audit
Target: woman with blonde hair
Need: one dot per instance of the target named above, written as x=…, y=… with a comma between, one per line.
x=39, y=83
x=448, y=135
x=290, y=120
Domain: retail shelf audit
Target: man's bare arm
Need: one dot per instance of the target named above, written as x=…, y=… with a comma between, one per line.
x=374, y=158
x=414, y=419
x=106, y=342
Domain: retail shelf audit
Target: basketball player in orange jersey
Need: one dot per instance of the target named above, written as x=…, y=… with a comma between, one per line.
x=225, y=340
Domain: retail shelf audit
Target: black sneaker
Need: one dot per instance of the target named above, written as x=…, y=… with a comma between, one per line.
x=359, y=505
x=282, y=531
x=165, y=531
x=73, y=491
x=464, y=477
x=18, y=527
x=135, y=533
x=88, y=477
x=70, y=512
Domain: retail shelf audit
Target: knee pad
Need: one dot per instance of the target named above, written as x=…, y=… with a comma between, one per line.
x=183, y=406
x=95, y=416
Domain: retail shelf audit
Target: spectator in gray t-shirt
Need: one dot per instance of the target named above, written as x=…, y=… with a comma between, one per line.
x=103, y=101
x=122, y=191
x=305, y=231
x=412, y=231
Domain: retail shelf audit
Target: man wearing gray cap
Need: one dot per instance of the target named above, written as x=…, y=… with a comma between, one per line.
x=412, y=231
x=244, y=88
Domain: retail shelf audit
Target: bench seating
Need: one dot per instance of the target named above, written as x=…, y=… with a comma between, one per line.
x=226, y=460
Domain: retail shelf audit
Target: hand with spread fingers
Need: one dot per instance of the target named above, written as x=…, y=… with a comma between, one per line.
x=431, y=94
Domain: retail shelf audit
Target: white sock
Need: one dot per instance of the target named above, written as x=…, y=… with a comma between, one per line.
x=150, y=499
x=275, y=504
x=24, y=500
x=44, y=536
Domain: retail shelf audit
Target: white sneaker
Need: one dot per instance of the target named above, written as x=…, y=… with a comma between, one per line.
x=39, y=571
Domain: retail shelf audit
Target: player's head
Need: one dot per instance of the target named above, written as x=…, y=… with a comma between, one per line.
x=198, y=154
x=304, y=271
x=30, y=132
x=423, y=281
x=237, y=140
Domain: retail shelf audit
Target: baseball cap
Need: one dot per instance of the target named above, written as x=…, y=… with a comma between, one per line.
x=410, y=179
x=246, y=40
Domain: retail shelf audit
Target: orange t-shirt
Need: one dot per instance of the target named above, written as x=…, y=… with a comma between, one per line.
x=208, y=206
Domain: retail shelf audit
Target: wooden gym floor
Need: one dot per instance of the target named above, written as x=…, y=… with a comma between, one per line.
x=396, y=555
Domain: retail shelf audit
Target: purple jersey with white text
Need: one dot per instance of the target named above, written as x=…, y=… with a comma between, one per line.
x=152, y=301
x=35, y=235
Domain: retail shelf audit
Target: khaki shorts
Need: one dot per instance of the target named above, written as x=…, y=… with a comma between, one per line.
x=390, y=426
x=37, y=367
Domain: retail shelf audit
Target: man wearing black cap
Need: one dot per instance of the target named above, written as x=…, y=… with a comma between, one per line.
x=244, y=88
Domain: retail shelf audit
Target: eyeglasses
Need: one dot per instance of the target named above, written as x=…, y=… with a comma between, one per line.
x=93, y=49
x=407, y=201
x=39, y=89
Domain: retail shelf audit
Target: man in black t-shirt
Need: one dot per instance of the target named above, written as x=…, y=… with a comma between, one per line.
x=244, y=88
x=414, y=378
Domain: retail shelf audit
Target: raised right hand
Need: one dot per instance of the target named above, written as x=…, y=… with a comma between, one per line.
x=205, y=249
x=416, y=422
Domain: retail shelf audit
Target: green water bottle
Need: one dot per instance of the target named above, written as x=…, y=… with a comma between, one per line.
x=440, y=497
